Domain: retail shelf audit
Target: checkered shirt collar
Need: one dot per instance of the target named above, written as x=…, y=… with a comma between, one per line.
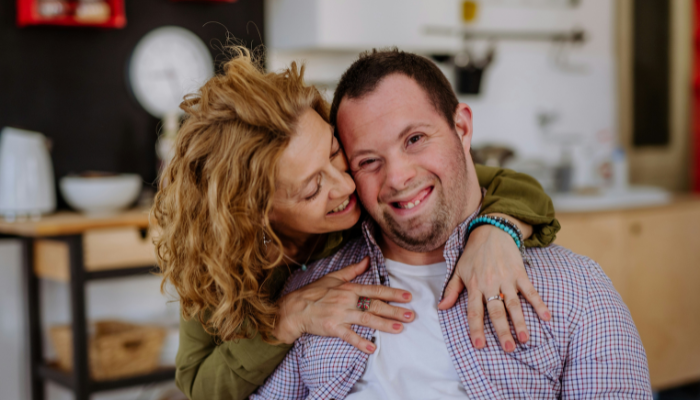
x=455, y=243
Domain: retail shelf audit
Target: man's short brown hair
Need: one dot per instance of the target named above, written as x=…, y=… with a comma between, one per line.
x=364, y=75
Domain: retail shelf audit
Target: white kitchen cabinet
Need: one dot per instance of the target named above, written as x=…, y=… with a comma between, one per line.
x=354, y=25
x=359, y=24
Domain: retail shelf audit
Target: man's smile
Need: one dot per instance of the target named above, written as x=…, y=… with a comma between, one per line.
x=412, y=203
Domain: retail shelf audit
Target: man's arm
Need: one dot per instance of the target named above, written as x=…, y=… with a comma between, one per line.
x=229, y=370
x=519, y=196
x=606, y=359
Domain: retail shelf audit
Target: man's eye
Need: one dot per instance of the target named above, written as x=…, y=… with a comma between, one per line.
x=365, y=163
x=414, y=139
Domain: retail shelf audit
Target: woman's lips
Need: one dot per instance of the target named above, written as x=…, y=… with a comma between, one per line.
x=352, y=201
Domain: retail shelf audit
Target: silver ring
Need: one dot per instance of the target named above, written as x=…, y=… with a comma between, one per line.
x=496, y=297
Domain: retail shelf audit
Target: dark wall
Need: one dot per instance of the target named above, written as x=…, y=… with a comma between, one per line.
x=70, y=83
x=652, y=19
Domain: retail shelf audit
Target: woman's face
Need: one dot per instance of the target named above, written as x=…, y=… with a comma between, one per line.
x=315, y=194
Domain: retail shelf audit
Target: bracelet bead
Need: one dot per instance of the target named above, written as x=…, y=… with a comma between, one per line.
x=508, y=227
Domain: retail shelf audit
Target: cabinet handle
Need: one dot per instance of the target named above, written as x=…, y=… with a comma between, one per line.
x=636, y=228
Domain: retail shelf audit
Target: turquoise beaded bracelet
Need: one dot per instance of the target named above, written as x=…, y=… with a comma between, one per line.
x=501, y=223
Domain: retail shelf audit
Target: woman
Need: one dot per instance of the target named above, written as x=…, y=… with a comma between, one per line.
x=258, y=188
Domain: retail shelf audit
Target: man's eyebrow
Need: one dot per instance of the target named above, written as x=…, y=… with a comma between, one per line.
x=405, y=131
x=295, y=191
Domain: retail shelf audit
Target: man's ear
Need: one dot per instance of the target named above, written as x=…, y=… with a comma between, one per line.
x=463, y=125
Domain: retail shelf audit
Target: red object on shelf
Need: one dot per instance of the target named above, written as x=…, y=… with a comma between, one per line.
x=695, y=157
x=28, y=14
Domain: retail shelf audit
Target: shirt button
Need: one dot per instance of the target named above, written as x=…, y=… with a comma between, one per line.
x=381, y=279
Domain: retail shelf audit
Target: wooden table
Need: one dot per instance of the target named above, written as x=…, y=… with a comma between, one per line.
x=652, y=256
x=74, y=235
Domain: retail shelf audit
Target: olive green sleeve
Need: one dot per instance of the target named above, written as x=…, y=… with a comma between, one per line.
x=520, y=196
x=232, y=370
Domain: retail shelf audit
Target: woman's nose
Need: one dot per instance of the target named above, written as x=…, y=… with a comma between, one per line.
x=343, y=184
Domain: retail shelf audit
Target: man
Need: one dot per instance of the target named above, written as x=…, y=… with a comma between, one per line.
x=407, y=140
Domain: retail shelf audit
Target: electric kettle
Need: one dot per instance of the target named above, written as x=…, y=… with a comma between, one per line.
x=26, y=175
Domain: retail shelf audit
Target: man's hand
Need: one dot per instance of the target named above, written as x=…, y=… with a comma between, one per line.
x=328, y=307
x=492, y=264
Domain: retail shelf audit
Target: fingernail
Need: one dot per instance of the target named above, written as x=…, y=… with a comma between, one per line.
x=370, y=347
x=406, y=296
x=477, y=343
x=510, y=346
x=407, y=315
x=396, y=326
x=547, y=315
x=523, y=337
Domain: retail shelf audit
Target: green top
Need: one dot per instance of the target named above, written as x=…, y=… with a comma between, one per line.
x=210, y=370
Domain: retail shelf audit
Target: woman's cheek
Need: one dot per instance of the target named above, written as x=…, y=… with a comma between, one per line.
x=340, y=162
x=367, y=188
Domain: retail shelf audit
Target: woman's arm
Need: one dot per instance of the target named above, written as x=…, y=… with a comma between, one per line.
x=207, y=370
x=521, y=197
x=492, y=264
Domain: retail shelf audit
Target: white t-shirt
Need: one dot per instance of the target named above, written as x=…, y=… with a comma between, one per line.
x=413, y=364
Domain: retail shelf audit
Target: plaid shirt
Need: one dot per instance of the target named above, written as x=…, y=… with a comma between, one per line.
x=589, y=349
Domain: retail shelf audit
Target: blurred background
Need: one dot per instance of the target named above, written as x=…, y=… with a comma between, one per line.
x=597, y=99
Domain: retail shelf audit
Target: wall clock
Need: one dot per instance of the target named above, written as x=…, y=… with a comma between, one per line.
x=168, y=63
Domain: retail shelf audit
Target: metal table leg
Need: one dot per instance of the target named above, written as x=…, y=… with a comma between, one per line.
x=81, y=373
x=33, y=321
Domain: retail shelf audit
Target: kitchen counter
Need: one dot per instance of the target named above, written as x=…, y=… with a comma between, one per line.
x=632, y=197
x=652, y=256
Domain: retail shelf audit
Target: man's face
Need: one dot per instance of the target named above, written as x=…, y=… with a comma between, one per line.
x=409, y=164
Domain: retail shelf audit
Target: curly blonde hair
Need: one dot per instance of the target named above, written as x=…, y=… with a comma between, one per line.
x=216, y=194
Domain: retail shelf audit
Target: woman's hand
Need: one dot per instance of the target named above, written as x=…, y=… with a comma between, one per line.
x=492, y=264
x=328, y=307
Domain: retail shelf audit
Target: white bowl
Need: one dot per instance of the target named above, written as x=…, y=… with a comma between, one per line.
x=100, y=195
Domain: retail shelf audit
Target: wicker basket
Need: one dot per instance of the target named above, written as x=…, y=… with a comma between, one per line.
x=117, y=349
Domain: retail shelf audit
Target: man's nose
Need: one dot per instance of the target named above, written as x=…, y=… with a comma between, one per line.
x=399, y=172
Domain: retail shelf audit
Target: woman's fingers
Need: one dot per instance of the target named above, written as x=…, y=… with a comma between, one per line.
x=452, y=292
x=372, y=321
x=380, y=308
x=351, y=271
x=497, y=312
x=378, y=292
x=356, y=340
x=475, y=318
x=515, y=310
x=530, y=293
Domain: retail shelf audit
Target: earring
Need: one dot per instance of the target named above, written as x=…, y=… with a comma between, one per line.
x=266, y=240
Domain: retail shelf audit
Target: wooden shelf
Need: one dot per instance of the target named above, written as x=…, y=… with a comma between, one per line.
x=75, y=245
x=65, y=379
x=71, y=223
x=120, y=273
